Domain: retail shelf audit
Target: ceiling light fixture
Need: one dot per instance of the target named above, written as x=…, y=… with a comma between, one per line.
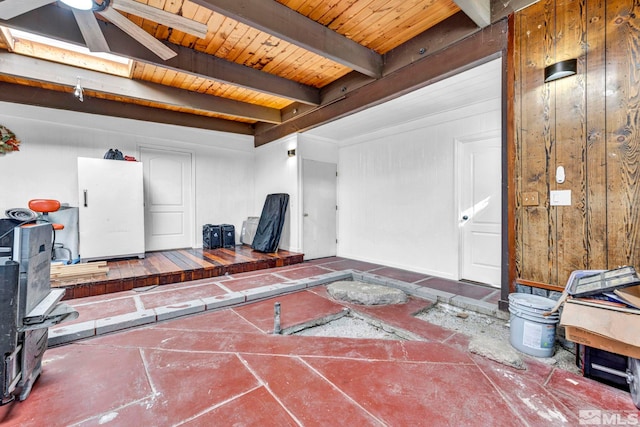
x=78, y=92
x=79, y=4
x=560, y=69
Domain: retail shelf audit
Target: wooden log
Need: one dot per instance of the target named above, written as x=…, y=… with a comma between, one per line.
x=59, y=271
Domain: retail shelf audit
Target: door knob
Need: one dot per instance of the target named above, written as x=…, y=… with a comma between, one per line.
x=465, y=217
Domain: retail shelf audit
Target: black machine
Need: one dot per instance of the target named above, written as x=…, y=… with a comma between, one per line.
x=28, y=305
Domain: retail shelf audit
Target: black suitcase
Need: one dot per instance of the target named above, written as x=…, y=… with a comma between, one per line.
x=211, y=236
x=228, y=236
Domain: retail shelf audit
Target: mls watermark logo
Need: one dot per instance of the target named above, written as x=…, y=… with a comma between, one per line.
x=597, y=417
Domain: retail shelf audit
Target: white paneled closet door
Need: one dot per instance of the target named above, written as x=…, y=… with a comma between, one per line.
x=480, y=204
x=111, y=209
x=319, y=204
x=168, y=199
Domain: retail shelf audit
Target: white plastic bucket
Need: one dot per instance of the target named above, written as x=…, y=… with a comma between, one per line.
x=530, y=331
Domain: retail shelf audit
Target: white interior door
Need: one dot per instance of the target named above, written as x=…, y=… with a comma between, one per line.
x=319, y=209
x=480, y=209
x=168, y=199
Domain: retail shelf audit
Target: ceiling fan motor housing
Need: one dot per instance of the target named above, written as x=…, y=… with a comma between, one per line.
x=98, y=7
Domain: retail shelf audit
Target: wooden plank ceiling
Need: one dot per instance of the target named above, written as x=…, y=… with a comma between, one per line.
x=263, y=63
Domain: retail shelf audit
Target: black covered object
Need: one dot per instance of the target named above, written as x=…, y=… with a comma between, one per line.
x=228, y=236
x=211, y=236
x=269, y=229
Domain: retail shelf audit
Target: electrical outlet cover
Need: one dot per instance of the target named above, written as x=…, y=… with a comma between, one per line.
x=560, y=198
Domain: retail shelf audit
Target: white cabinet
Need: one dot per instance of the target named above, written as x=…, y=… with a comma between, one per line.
x=111, y=209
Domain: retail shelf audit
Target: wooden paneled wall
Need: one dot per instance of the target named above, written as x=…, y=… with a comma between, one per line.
x=589, y=124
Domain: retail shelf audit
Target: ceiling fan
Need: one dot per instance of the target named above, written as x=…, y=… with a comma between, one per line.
x=83, y=11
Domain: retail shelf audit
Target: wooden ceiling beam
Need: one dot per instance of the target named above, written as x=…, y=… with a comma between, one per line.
x=435, y=39
x=431, y=41
x=287, y=24
x=474, y=50
x=51, y=72
x=503, y=8
x=59, y=23
x=5, y=37
x=478, y=10
x=64, y=101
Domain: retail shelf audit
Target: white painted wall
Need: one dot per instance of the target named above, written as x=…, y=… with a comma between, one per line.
x=397, y=194
x=311, y=147
x=396, y=163
x=46, y=166
x=275, y=172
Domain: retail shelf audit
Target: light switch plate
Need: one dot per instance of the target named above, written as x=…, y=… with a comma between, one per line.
x=530, y=198
x=560, y=198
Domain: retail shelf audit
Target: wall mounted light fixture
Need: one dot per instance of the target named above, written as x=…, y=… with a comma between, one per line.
x=291, y=153
x=560, y=69
x=78, y=92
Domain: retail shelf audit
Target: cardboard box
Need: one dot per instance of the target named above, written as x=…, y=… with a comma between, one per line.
x=610, y=330
x=580, y=336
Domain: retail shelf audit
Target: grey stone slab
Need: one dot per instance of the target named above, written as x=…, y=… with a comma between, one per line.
x=326, y=278
x=479, y=306
x=293, y=286
x=433, y=295
x=493, y=294
x=176, y=310
x=357, y=275
x=225, y=300
x=409, y=288
x=66, y=334
x=296, y=283
x=342, y=274
x=523, y=289
x=395, y=283
x=316, y=281
x=374, y=279
x=125, y=321
x=496, y=350
x=269, y=291
x=366, y=293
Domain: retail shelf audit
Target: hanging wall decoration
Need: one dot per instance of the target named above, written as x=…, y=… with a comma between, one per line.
x=8, y=141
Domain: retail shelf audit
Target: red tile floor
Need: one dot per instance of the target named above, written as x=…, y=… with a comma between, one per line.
x=225, y=368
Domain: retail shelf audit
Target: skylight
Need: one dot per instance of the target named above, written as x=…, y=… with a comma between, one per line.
x=34, y=45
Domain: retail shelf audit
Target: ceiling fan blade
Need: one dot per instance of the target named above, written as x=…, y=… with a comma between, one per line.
x=163, y=17
x=12, y=8
x=144, y=38
x=90, y=30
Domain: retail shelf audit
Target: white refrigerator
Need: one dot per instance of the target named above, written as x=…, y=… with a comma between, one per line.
x=111, y=209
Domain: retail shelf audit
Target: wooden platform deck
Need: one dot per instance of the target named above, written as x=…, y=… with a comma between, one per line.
x=165, y=267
